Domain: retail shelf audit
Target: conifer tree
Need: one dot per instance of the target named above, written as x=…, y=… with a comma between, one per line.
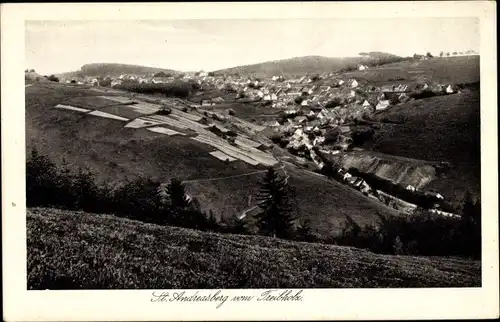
x=274, y=200
x=304, y=231
x=178, y=201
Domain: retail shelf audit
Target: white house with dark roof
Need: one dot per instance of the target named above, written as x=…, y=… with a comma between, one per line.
x=382, y=105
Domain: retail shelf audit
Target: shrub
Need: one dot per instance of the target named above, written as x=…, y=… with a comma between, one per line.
x=299, y=99
x=141, y=199
x=53, y=78
x=165, y=111
x=337, y=101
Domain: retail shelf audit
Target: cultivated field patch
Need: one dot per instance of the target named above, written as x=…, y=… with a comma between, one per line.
x=163, y=130
x=141, y=122
x=92, y=102
x=222, y=156
x=119, y=99
x=107, y=115
x=71, y=108
x=122, y=110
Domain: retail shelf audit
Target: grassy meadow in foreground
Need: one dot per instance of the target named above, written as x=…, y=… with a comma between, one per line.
x=76, y=250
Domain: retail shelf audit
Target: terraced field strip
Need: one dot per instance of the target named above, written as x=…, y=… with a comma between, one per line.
x=141, y=122
x=251, y=156
x=107, y=115
x=163, y=130
x=247, y=142
x=98, y=90
x=146, y=108
x=92, y=102
x=222, y=156
x=179, y=122
x=249, y=125
x=189, y=116
x=72, y=108
x=122, y=110
x=235, y=153
x=119, y=99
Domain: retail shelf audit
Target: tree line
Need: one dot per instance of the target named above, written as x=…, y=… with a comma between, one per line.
x=150, y=201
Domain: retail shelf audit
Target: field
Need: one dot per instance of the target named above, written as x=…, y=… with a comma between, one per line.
x=74, y=250
x=444, y=128
x=447, y=70
x=114, y=152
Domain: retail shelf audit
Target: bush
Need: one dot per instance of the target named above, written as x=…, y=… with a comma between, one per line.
x=337, y=101
x=176, y=89
x=422, y=233
x=141, y=199
x=53, y=78
x=164, y=111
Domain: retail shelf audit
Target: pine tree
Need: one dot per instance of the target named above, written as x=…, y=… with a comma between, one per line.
x=178, y=201
x=212, y=223
x=274, y=200
x=304, y=231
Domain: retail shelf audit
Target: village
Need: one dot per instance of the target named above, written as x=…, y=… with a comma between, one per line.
x=317, y=114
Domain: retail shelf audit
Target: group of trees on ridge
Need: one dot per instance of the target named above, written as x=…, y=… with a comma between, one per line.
x=150, y=201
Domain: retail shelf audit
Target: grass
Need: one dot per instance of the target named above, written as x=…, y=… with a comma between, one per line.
x=75, y=250
x=444, y=128
x=113, y=153
x=448, y=70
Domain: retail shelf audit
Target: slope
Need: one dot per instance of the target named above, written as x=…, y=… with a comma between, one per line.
x=74, y=250
x=113, y=153
x=306, y=64
x=444, y=128
x=447, y=70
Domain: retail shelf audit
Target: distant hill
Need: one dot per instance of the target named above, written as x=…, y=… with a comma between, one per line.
x=103, y=69
x=76, y=250
x=310, y=64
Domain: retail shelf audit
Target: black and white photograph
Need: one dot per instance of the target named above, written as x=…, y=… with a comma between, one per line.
x=253, y=153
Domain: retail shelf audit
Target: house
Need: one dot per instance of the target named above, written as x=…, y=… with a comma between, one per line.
x=301, y=119
x=351, y=180
x=218, y=100
x=345, y=129
x=450, y=89
x=403, y=98
x=362, y=67
x=267, y=97
x=260, y=94
x=352, y=94
x=434, y=194
x=410, y=188
x=354, y=83
x=205, y=103
x=341, y=82
x=304, y=103
x=274, y=96
x=116, y=82
x=366, y=104
x=382, y=105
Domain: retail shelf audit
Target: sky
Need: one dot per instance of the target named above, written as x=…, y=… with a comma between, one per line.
x=193, y=45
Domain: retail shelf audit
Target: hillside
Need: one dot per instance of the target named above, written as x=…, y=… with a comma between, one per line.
x=114, y=152
x=75, y=250
x=444, y=128
x=306, y=64
x=447, y=70
x=110, y=69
